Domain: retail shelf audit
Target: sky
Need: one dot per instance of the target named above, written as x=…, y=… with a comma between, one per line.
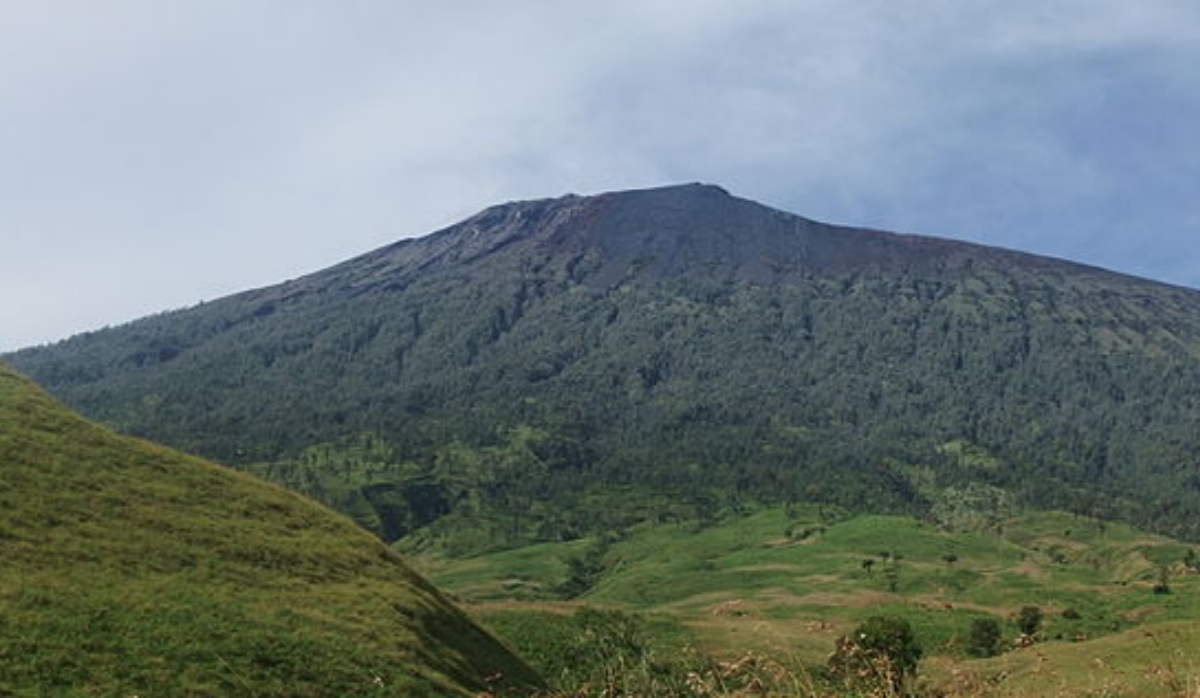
x=159, y=153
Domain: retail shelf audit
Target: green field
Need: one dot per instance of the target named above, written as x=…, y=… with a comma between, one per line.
x=785, y=584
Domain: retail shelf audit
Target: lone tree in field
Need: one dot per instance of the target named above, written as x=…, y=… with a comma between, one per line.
x=881, y=652
x=1164, y=580
x=985, y=637
x=1029, y=620
x=891, y=573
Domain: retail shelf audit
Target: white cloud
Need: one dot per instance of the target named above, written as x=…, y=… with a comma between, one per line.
x=198, y=147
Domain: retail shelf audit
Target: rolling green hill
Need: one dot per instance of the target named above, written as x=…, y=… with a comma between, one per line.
x=775, y=589
x=130, y=569
x=551, y=369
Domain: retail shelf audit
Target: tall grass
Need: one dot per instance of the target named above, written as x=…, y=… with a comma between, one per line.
x=126, y=568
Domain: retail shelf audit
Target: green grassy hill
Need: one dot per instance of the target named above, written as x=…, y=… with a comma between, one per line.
x=784, y=585
x=130, y=569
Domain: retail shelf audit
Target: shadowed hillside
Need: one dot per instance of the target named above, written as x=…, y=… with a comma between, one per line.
x=131, y=569
x=551, y=368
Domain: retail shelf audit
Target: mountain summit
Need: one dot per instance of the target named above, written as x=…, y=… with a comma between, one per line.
x=552, y=367
x=691, y=229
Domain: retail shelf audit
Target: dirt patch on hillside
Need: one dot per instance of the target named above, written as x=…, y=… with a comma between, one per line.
x=857, y=599
x=564, y=608
x=768, y=567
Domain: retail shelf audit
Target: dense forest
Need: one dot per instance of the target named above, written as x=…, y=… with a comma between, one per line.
x=555, y=368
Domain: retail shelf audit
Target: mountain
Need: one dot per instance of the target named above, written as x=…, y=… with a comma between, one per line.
x=551, y=368
x=132, y=569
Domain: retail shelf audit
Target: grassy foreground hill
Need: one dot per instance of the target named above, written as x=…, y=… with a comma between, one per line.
x=130, y=569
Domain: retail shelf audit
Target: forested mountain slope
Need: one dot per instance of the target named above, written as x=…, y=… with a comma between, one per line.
x=132, y=569
x=552, y=367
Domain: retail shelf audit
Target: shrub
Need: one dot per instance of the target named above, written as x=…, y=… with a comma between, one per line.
x=882, y=651
x=1029, y=620
x=985, y=637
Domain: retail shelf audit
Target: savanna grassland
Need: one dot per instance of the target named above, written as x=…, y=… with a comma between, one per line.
x=764, y=597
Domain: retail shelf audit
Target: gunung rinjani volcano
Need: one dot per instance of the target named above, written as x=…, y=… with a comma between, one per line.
x=548, y=369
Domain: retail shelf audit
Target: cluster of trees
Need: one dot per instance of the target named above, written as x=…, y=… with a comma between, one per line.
x=880, y=656
x=986, y=634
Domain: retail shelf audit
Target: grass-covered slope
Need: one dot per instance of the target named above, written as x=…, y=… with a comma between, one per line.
x=1119, y=605
x=130, y=569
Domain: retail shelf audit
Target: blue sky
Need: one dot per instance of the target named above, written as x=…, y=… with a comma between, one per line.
x=156, y=154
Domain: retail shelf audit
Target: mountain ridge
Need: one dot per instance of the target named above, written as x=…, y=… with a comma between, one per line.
x=390, y=266
x=568, y=222
x=499, y=225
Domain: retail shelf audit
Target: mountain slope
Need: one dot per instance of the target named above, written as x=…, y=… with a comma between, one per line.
x=129, y=568
x=553, y=367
